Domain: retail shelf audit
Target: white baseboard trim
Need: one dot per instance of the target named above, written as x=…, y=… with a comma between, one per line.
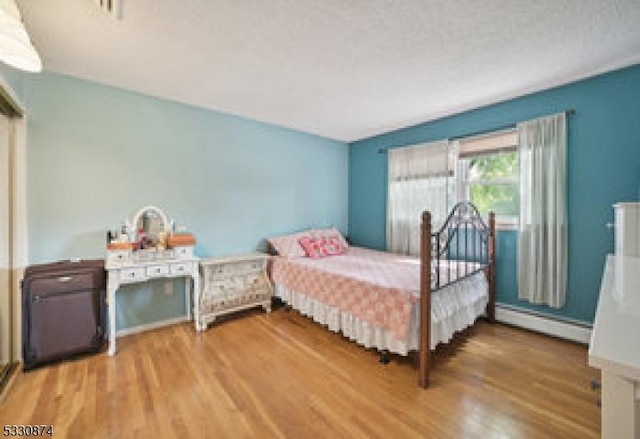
x=149, y=326
x=577, y=332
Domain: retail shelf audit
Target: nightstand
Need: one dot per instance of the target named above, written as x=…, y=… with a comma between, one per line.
x=231, y=284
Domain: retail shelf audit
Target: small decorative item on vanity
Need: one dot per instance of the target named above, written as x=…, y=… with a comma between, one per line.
x=182, y=243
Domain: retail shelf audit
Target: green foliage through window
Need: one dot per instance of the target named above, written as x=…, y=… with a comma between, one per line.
x=493, y=183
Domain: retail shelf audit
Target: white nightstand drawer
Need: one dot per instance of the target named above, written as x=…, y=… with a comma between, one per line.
x=219, y=270
x=250, y=267
x=235, y=268
x=250, y=280
x=157, y=270
x=132, y=274
x=219, y=288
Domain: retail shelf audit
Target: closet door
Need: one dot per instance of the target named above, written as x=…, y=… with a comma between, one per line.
x=6, y=172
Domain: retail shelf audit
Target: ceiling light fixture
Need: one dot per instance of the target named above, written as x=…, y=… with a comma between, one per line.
x=15, y=47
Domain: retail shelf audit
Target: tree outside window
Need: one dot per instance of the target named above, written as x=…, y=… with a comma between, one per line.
x=490, y=182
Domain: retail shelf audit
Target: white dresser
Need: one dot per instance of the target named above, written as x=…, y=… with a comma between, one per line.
x=614, y=346
x=627, y=228
x=231, y=284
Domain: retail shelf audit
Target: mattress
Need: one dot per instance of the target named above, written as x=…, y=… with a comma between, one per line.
x=373, y=297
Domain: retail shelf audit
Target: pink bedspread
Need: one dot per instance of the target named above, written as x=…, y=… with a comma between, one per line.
x=378, y=287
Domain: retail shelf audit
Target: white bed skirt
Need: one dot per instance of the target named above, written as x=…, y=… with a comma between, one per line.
x=453, y=308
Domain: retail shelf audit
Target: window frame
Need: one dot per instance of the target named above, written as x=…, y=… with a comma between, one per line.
x=464, y=183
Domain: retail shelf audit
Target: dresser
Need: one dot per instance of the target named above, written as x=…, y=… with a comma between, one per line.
x=614, y=347
x=627, y=228
x=232, y=284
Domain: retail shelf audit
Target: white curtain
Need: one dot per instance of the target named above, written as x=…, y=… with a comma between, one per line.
x=420, y=178
x=542, y=243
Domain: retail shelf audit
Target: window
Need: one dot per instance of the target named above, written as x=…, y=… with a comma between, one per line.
x=421, y=177
x=481, y=169
x=488, y=172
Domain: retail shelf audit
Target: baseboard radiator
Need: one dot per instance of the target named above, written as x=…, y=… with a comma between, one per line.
x=550, y=325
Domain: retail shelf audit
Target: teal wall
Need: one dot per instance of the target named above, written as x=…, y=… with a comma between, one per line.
x=604, y=168
x=97, y=154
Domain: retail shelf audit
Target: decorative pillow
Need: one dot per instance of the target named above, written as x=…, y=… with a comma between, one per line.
x=288, y=246
x=330, y=233
x=319, y=248
x=313, y=248
x=333, y=245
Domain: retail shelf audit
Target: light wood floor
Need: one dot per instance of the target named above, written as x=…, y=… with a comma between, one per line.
x=281, y=375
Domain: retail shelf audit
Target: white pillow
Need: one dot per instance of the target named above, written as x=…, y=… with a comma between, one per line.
x=288, y=246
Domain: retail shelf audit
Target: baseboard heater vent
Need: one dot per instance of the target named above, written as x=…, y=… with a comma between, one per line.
x=558, y=327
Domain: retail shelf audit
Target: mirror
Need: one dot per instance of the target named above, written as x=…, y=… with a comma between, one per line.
x=150, y=226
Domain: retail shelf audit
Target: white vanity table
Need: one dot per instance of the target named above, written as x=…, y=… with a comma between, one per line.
x=137, y=272
x=128, y=266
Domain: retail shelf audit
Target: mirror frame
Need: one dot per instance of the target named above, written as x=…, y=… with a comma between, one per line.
x=141, y=212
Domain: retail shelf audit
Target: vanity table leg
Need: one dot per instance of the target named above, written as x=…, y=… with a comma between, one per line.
x=111, y=306
x=196, y=300
x=187, y=296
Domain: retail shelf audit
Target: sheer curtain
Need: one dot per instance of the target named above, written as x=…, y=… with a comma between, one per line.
x=542, y=243
x=420, y=178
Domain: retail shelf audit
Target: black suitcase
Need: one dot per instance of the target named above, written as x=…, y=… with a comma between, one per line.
x=63, y=311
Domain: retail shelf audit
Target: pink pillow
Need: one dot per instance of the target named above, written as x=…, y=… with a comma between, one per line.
x=313, y=247
x=288, y=246
x=330, y=233
x=333, y=245
x=319, y=248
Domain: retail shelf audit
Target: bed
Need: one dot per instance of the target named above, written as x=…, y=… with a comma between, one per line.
x=391, y=302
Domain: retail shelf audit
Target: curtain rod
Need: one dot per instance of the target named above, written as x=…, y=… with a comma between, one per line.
x=569, y=112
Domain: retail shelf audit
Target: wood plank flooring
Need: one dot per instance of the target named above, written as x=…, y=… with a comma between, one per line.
x=280, y=375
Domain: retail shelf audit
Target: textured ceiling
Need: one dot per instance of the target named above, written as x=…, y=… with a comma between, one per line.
x=343, y=69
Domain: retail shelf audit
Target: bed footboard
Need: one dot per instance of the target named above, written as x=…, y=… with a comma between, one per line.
x=463, y=246
x=425, y=300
